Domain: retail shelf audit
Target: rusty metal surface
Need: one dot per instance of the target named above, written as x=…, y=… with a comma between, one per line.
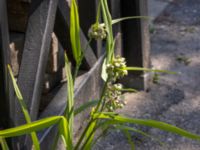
x=4, y=60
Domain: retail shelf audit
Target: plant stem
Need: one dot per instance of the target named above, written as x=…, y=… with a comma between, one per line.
x=83, y=134
x=76, y=72
x=98, y=12
x=102, y=96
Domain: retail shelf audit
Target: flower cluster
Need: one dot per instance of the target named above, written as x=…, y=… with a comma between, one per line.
x=97, y=32
x=116, y=69
x=113, y=97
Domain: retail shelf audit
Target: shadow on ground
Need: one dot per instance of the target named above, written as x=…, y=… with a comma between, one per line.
x=174, y=99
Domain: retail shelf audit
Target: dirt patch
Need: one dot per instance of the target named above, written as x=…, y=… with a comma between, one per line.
x=174, y=99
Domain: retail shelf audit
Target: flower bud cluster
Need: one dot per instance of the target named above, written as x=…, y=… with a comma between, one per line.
x=113, y=97
x=97, y=32
x=116, y=69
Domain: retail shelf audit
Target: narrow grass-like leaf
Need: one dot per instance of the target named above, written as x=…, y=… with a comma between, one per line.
x=65, y=134
x=148, y=70
x=89, y=136
x=129, y=90
x=75, y=33
x=37, y=126
x=4, y=144
x=120, y=125
x=128, y=136
x=85, y=106
x=31, y=127
x=118, y=20
x=103, y=133
x=123, y=127
x=83, y=135
x=114, y=21
x=64, y=142
x=69, y=112
x=24, y=109
x=151, y=123
x=104, y=74
x=108, y=25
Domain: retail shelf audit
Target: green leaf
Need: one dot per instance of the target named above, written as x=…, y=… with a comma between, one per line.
x=24, y=109
x=75, y=33
x=85, y=106
x=30, y=127
x=118, y=20
x=128, y=135
x=69, y=112
x=148, y=70
x=114, y=21
x=123, y=127
x=64, y=142
x=65, y=133
x=129, y=90
x=4, y=144
x=108, y=25
x=89, y=136
x=104, y=74
x=37, y=126
x=151, y=123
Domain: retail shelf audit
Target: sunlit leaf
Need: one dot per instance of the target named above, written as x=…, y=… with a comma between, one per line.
x=151, y=123
x=4, y=144
x=30, y=127
x=130, y=141
x=104, y=74
x=85, y=106
x=34, y=137
x=118, y=20
x=148, y=70
x=129, y=90
x=75, y=32
x=69, y=112
x=123, y=127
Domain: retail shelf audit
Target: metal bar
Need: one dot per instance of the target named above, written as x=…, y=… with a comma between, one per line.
x=136, y=45
x=4, y=60
x=35, y=56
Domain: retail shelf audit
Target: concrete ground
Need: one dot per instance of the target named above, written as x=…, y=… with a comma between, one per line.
x=174, y=99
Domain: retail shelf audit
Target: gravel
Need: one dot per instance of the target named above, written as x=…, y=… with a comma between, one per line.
x=175, y=99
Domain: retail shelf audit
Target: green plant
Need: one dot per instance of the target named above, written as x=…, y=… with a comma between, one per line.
x=183, y=59
x=156, y=78
x=102, y=115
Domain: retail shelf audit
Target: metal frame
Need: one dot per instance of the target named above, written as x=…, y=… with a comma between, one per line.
x=4, y=60
x=46, y=17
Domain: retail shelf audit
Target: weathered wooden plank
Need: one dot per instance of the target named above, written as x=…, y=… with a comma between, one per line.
x=35, y=55
x=87, y=87
x=136, y=45
x=4, y=60
x=62, y=32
